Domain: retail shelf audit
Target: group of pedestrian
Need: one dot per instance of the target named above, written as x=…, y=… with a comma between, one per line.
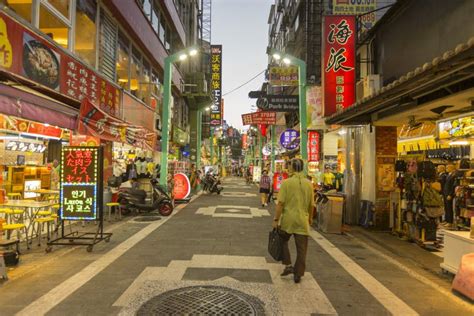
x=293, y=215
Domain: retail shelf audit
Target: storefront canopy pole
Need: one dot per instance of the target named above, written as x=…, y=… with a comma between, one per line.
x=273, y=142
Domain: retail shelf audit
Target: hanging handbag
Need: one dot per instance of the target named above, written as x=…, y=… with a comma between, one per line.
x=275, y=245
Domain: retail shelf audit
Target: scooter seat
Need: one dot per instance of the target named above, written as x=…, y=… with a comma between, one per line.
x=141, y=194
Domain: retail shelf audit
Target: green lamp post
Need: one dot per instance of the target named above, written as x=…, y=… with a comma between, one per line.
x=301, y=64
x=169, y=61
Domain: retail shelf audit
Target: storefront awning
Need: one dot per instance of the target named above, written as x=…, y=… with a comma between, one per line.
x=445, y=75
x=33, y=107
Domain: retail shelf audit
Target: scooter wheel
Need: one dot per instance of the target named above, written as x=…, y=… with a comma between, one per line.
x=165, y=209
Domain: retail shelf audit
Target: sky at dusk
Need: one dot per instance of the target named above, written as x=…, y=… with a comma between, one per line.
x=241, y=27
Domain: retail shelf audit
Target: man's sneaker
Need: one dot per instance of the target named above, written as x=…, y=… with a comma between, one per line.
x=288, y=270
x=297, y=279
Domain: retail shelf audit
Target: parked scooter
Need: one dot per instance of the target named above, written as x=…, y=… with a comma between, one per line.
x=213, y=184
x=132, y=199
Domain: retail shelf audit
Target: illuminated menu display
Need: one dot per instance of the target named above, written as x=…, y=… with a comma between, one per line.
x=80, y=180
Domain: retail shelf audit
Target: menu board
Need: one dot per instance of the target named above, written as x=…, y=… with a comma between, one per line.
x=81, y=179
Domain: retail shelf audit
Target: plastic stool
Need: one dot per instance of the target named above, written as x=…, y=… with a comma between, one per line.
x=114, y=205
x=18, y=227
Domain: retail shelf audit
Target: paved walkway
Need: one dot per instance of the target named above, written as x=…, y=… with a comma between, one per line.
x=214, y=250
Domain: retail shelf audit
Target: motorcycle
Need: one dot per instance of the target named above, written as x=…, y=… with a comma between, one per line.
x=134, y=200
x=214, y=185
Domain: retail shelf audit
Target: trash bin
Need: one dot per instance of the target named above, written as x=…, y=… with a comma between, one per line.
x=107, y=198
x=330, y=214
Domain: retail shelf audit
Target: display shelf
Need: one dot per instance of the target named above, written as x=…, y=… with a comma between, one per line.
x=456, y=245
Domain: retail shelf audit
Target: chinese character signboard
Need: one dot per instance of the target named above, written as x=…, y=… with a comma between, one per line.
x=29, y=55
x=182, y=186
x=81, y=183
x=357, y=7
x=313, y=146
x=279, y=103
x=314, y=107
x=283, y=76
x=339, y=35
x=216, y=85
x=266, y=118
x=290, y=139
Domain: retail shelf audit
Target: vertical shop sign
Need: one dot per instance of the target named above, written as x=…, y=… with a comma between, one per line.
x=182, y=186
x=216, y=85
x=313, y=146
x=339, y=35
x=81, y=182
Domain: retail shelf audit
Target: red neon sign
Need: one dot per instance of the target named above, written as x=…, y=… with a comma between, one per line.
x=339, y=39
x=313, y=146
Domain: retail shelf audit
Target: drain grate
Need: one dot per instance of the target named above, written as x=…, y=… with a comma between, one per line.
x=203, y=300
x=147, y=219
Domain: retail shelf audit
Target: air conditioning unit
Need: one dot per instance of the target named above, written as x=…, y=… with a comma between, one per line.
x=371, y=84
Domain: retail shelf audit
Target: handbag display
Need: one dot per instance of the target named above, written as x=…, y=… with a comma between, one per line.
x=275, y=245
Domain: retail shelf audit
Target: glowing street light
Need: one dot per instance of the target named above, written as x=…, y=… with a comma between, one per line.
x=178, y=56
x=301, y=64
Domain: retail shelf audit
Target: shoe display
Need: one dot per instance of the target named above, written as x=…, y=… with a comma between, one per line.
x=297, y=279
x=288, y=270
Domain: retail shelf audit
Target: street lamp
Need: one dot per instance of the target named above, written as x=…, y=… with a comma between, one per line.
x=179, y=56
x=301, y=64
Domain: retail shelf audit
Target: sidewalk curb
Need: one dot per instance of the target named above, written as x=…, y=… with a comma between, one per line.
x=416, y=275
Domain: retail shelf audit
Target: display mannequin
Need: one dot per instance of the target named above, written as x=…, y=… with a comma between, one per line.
x=448, y=192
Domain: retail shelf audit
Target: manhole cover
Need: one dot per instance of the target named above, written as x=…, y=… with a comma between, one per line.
x=147, y=219
x=203, y=300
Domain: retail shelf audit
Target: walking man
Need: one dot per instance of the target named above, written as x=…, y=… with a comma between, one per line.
x=265, y=183
x=294, y=213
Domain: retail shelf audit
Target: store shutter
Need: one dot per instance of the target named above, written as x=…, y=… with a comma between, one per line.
x=108, y=45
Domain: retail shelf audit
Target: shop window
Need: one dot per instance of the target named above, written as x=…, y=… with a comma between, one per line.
x=62, y=6
x=108, y=45
x=53, y=27
x=135, y=75
x=123, y=62
x=86, y=30
x=20, y=7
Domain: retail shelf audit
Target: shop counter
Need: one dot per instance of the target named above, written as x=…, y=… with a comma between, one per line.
x=456, y=244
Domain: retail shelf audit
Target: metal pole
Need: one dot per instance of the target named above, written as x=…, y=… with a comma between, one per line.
x=302, y=107
x=165, y=125
x=199, y=136
x=211, y=141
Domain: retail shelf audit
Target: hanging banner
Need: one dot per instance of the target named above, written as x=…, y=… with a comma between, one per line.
x=339, y=37
x=314, y=108
x=27, y=54
x=182, y=186
x=313, y=146
x=268, y=118
x=95, y=122
x=290, y=139
x=11, y=123
x=216, y=85
x=462, y=127
x=81, y=179
x=283, y=76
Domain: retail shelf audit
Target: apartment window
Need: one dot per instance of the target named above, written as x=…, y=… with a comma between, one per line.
x=155, y=17
x=146, y=6
x=123, y=61
x=20, y=7
x=86, y=30
x=156, y=85
x=168, y=39
x=54, y=25
x=135, y=74
x=62, y=6
x=161, y=33
x=145, y=84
